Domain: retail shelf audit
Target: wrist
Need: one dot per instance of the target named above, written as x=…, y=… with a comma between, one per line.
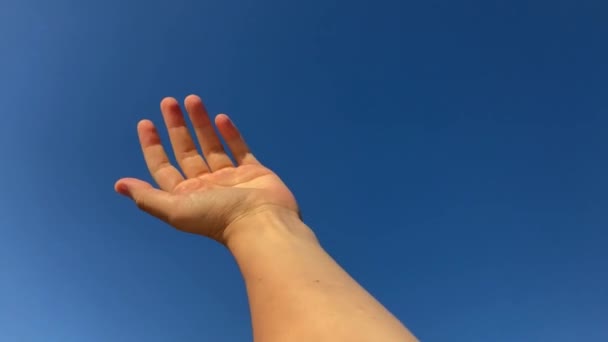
x=266, y=223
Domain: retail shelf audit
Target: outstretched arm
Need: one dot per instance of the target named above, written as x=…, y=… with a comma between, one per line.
x=296, y=291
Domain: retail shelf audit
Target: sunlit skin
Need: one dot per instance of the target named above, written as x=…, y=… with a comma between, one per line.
x=213, y=191
x=296, y=290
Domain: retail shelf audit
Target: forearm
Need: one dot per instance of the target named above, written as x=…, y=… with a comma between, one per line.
x=297, y=292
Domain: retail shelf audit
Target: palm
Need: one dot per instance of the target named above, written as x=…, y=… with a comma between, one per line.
x=245, y=176
x=214, y=192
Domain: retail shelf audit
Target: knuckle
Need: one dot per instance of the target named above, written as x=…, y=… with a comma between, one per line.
x=141, y=203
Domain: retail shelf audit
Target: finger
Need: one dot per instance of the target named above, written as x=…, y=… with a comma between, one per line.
x=234, y=140
x=166, y=175
x=210, y=143
x=155, y=202
x=186, y=154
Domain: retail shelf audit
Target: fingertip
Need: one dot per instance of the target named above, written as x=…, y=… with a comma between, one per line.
x=168, y=102
x=223, y=119
x=193, y=100
x=226, y=127
x=145, y=124
x=131, y=184
x=147, y=133
x=121, y=188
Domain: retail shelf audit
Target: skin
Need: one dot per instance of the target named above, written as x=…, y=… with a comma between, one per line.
x=296, y=291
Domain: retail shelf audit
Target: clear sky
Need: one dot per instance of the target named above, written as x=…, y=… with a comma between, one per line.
x=451, y=155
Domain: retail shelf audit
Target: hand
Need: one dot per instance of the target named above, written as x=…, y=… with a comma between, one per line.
x=215, y=192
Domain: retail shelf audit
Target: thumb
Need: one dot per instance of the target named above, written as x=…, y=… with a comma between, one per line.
x=155, y=202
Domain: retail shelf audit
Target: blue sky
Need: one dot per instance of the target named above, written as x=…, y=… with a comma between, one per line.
x=450, y=155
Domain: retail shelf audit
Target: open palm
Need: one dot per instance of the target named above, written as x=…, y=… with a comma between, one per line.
x=213, y=192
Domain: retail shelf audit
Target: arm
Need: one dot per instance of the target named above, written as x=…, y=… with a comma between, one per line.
x=297, y=292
